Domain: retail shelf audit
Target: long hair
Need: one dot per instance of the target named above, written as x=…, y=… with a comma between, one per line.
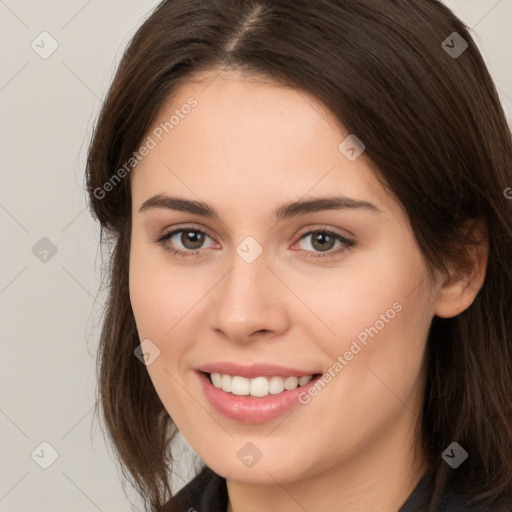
x=427, y=110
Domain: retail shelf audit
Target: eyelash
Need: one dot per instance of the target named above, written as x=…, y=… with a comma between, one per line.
x=347, y=244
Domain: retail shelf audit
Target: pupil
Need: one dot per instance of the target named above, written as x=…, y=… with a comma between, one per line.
x=324, y=242
x=192, y=239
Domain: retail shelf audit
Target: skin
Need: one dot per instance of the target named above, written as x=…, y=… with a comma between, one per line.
x=246, y=148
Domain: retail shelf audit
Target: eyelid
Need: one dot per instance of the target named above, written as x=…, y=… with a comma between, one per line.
x=322, y=228
x=185, y=227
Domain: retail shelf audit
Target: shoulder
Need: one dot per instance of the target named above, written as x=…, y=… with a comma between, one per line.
x=206, y=492
x=451, y=500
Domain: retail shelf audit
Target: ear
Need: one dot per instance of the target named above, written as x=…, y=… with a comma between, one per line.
x=459, y=289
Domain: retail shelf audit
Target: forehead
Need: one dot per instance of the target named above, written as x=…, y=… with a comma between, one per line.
x=247, y=135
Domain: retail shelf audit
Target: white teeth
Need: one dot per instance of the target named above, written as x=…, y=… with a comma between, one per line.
x=226, y=382
x=239, y=385
x=259, y=386
x=216, y=379
x=305, y=380
x=291, y=383
x=276, y=385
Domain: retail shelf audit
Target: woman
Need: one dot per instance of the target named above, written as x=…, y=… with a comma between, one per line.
x=311, y=265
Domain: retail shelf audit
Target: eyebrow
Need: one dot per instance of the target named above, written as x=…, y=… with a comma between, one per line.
x=285, y=211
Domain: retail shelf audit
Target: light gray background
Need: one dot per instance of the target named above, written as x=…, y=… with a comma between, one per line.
x=50, y=311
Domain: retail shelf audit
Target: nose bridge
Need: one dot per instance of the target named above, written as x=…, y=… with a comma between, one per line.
x=247, y=300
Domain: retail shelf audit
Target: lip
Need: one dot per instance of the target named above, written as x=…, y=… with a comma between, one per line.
x=254, y=370
x=249, y=409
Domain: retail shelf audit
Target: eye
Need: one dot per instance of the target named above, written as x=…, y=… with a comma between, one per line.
x=184, y=241
x=324, y=241
x=188, y=241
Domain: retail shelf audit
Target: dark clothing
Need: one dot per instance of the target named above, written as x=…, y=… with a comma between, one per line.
x=207, y=492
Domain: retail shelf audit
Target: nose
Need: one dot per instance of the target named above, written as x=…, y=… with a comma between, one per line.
x=249, y=302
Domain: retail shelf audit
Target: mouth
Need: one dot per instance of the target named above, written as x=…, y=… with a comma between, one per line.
x=260, y=386
x=254, y=400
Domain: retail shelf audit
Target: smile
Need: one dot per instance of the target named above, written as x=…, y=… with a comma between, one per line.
x=259, y=386
x=254, y=400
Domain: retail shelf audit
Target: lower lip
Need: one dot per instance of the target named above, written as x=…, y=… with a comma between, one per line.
x=252, y=409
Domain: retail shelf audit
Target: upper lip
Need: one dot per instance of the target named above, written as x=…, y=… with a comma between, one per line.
x=253, y=370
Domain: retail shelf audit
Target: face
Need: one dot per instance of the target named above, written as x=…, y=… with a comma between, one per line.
x=336, y=290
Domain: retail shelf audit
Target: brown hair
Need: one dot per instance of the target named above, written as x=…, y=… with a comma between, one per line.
x=434, y=130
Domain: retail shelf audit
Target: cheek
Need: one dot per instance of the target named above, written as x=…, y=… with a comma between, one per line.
x=374, y=374
x=162, y=302
x=376, y=315
x=167, y=302
x=160, y=294
x=369, y=294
